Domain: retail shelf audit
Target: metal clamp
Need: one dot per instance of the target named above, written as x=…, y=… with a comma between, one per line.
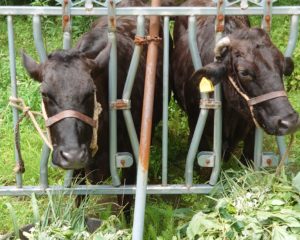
x=142, y=40
x=121, y=104
x=209, y=104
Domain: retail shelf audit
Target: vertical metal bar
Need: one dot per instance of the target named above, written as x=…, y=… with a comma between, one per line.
x=14, y=91
x=217, y=146
x=112, y=88
x=67, y=24
x=146, y=129
x=67, y=44
x=258, y=147
x=44, y=167
x=128, y=88
x=38, y=39
x=165, y=102
x=267, y=18
x=203, y=112
x=294, y=31
x=135, y=59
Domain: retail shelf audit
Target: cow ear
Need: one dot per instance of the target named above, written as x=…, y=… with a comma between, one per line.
x=215, y=72
x=288, y=66
x=101, y=61
x=32, y=67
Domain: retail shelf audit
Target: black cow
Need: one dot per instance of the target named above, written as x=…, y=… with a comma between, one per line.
x=248, y=58
x=69, y=79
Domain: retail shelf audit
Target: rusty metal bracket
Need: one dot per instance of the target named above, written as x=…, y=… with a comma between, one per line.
x=209, y=104
x=139, y=40
x=121, y=104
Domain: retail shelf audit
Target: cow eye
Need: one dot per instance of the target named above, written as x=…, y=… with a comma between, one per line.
x=245, y=75
x=47, y=98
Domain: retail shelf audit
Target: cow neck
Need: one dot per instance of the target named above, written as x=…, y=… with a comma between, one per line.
x=93, y=122
x=255, y=100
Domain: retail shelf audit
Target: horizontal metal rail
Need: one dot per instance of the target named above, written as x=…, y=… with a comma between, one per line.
x=147, y=11
x=105, y=190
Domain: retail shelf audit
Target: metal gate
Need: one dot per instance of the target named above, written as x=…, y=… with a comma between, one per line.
x=263, y=8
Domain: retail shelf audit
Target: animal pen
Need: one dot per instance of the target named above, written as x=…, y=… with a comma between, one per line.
x=210, y=158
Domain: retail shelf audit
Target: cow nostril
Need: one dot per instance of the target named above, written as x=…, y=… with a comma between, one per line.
x=65, y=155
x=284, y=123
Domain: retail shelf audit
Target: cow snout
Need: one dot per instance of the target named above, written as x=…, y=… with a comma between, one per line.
x=288, y=125
x=71, y=157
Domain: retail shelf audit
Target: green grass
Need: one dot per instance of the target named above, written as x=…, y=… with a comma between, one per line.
x=175, y=211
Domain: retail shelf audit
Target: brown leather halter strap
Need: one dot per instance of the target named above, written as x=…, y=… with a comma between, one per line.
x=266, y=97
x=70, y=114
x=255, y=100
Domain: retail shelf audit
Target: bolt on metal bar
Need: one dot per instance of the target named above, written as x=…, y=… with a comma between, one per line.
x=128, y=88
x=14, y=89
x=146, y=128
x=217, y=145
x=67, y=24
x=112, y=88
x=203, y=112
x=267, y=18
x=165, y=102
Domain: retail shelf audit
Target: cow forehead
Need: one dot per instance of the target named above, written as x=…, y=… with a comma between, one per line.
x=71, y=76
x=257, y=52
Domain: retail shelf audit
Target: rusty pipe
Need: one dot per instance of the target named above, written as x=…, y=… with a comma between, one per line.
x=146, y=128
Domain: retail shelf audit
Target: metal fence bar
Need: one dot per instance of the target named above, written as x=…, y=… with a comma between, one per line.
x=203, y=112
x=128, y=88
x=165, y=101
x=146, y=129
x=294, y=31
x=217, y=145
x=38, y=39
x=147, y=11
x=67, y=24
x=105, y=190
x=14, y=91
x=258, y=148
x=112, y=88
x=259, y=134
x=39, y=45
x=44, y=167
x=67, y=44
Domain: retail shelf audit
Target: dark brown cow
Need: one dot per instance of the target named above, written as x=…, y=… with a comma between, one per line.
x=68, y=81
x=251, y=61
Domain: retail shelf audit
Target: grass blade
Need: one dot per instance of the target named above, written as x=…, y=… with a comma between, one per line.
x=14, y=219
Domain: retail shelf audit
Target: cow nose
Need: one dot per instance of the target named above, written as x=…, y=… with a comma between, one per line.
x=71, y=157
x=75, y=154
x=284, y=124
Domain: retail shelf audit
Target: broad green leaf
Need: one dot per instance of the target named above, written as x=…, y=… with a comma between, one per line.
x=280, y=233
x=296, y=182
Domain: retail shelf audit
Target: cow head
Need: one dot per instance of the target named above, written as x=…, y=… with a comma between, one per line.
x=249, y=65
x=67, y=84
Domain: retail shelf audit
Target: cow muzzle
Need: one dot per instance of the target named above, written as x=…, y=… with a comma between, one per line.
x=70, y=157
x=77, y=156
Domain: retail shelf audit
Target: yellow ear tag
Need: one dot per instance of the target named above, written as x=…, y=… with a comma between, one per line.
x=206, y=85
